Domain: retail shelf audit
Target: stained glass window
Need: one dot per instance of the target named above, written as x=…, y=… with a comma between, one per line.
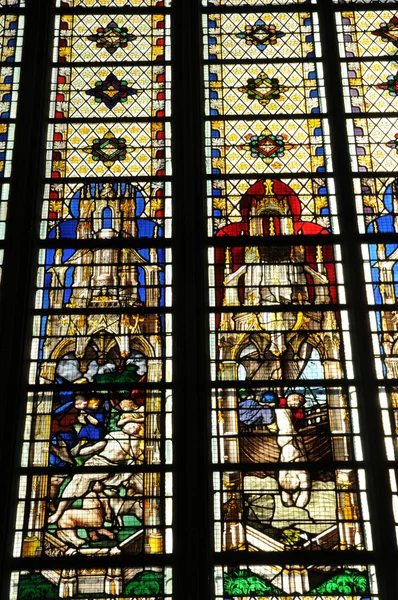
x=97, y=437
x=209, y=397
x=268, y=581
x=133, y=582
x=113, y=3
x=368, y=42
x=11, y=37
x=279, y=326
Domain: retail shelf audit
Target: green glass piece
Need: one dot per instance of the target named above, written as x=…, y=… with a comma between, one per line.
x=148, y=583
x=347, y=582
x=34, y=586
x=246, y=583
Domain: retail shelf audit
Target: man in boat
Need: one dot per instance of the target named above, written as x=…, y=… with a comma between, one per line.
x=258, y=412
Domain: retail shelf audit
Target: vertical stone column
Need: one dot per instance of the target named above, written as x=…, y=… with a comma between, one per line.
x=340, y=425
x=114, y=582
x=68, y=584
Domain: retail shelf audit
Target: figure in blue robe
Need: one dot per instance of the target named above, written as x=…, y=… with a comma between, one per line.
x=258, y=412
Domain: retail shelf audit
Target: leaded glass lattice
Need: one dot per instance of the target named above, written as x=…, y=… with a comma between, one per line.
x=253, y=2
x=97, y=439
x=364, y=1
x=302, y=434
x=368, y=42
x=279, y=330
x=112, y=3
x=11, y=38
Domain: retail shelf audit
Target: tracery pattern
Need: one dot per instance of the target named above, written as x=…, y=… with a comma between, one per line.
x=97, y=439
x=376, y=196
x=11, y=38
x=253, y=2
x=364, y=1
x=279, y=331
x=112, y=3
x=368, y=43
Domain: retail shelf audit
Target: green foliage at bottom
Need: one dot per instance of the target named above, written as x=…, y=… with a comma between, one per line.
x=148, y=583
x=33, y=586
x=247, y=583
x=346, y=582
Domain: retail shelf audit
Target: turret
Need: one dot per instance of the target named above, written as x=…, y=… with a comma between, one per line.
x=86, y=206
x=104, y=274
x=287, y=227
x=58, y=272
x=256, y=223
x=152, y=276
x=128, y=213
x=114, y=582
x=231, y=278
x=68, y=584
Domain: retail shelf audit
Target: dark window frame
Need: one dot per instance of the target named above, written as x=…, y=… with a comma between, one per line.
x=193, y=557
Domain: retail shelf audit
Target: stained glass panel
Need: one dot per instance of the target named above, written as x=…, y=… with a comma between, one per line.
x=261, y=35
x=112, y=3
x=154, y=582
x=81, y=149
x=366, y=34
x=286, y=440
x=301, y=281
x=389, y=405
x=111, y=38
x=373, y=150
x=145, y=208
x=97, y=439
x=88, y=524
x=256, y=515
x=375, y=144
x=364, y=1
x=308, y=582
x=11, y=38
x=13, y=3
x=285, y=431
x=253, y=2
x=369, y=87
x=138, y=91
x=314, y=200
x=326, y=420
x=281, y=88
x=376, y=203
x=288, y=146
